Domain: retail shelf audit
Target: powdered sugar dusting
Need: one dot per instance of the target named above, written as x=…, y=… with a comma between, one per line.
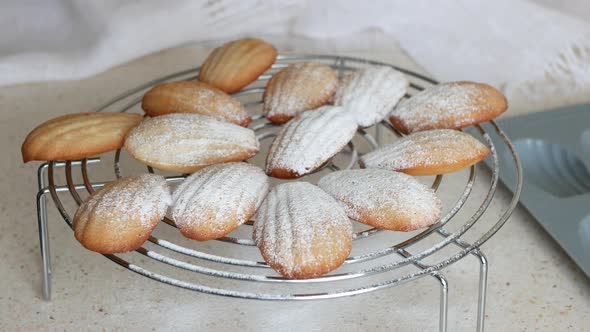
x=189, y=140
x=216, y=103
x=449, y=105
x=425, y=149
x=311, y=139
x=144, y=198
x=298, y=88
x=230, y=192
x=371, y=93
x=387, y=197
x=295, y=219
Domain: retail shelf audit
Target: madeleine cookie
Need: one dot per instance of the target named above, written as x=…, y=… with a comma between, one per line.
x=298, y=88
x=301, y=231
x=216, y=200
x=79, y=135
x=428, y=153
x=187, y=142
x=309, y=141
x=237, y=64
x=449, y=106
x=194, y=97
x=384, y=199
x=120, y=216
x=371, y=93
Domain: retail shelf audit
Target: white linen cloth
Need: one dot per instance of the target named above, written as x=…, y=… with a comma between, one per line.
x=524, y=48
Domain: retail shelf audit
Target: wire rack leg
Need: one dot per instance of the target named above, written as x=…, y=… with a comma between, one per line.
x=444, y=302
x=483, y=284
x=43, y=231
x=41, y=175
x=444, y=291
x=44, y=244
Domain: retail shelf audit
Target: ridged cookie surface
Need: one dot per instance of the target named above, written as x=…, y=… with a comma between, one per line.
x=76, y=136
x=449, y=105
x=371, y=93
x=187, y=142
x=194, y=97
x=301, y=231
x=307, y=142
x=216, y=200
x=384, y=199
x=236, y=64
x=428, y=153
x=299, y=87
x=121, y=216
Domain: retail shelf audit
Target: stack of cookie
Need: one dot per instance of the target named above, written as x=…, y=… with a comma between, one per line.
x=302, y=230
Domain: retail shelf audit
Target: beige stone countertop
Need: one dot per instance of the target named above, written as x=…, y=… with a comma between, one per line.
x=532, y=285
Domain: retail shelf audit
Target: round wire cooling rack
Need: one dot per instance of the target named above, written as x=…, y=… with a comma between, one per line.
x=361, y=269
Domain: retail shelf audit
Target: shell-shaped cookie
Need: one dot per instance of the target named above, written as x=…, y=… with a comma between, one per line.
x=449, y=106
x=216, y=200
x=236, y=64
x=76, y=136
x=384, y=199
x=194, y=97
x=299, y=87
x=301, y=231
x=428, y=153
x=121, y=216
x=185, y=142
x=371, y=93
x=307, y=142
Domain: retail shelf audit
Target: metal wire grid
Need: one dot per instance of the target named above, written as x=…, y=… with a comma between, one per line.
x=47, y=185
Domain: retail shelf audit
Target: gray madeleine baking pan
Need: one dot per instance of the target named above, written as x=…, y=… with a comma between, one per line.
x=554, y=148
